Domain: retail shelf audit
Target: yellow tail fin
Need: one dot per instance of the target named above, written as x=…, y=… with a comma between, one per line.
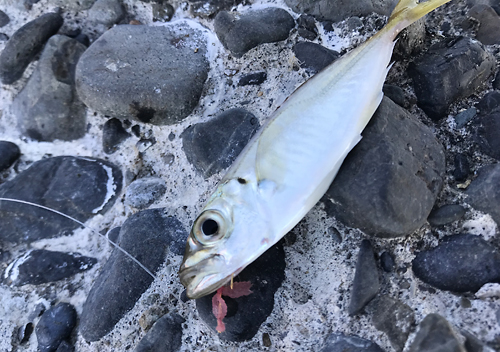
x=408, y=11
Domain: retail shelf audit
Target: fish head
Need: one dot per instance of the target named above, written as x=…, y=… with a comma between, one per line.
x=229, y=234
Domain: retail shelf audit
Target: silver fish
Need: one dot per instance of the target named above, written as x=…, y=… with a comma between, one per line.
x=290, y=163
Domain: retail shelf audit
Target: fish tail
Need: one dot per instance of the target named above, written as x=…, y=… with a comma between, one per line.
x=408, y=11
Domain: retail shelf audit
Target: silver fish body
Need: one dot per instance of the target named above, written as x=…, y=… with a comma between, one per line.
x=289, y=164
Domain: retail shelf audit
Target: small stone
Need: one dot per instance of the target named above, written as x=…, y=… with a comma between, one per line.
x=3, y=37
x=465, y=116
x=162, y=11
x=40, y=266
x=487, y=134
x=213, y=146
x=145, y=191
x=451, y=69
x=25, y=44
x=484, y=194
x=337, y=342
x=462, y=168
x=395, y=319
x=488, y=32
x=55, y=325
x=164, y=336
x=394, y=93
x=473, y=344
x=247, y=313
x=460, y=263
x=446, y=214
x=4, y=19
x=106, y=12
x=113, y=134
x=239, y=34
x=435, y=335
x=387, y=262
x=366, y=283
x=9, y=153
x=147, y=236
x=151, y=316
x=24, y=333
x=307, y=27
x=335, y=234
x=313, y=56
x=252, y=79
x=266, y=340
x=489, y=103
x=354, y=23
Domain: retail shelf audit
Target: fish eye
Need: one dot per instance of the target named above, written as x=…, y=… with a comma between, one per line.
x=210, y=227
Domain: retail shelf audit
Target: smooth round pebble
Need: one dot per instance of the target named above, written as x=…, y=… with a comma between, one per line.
x=9, y=153
x=55, y=325
x=446, y=214
x=145, y=191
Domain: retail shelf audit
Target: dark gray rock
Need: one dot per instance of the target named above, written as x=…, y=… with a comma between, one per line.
x=4, y=19
x=9, y=153
x=150, y=74
x=496, y=82
x=164, y=336
x=435, y=335
x=25, y=44
x=65, y=346
x=106, y=12
x=307, y=27
x=113, y=234
x=313, y=56
x=48, y=107
x=3, y=37
x=51, y=183
x=411, y=41
x=245, y=314
x=462, y=168
x=147, y=236
x=489, y=103
x=366, y=282
x=394, y=93
x=493, y=3
x=488, y=32
x=239, y=34
x=40, y=266
x=209, y=8
x=338, y=10
x=472, y=343
x=252, y=79
x=446, y=214
x=462, y=118
x=55, y=325
x=487, y=134
x=214, y=145
x=145, y=191
x=113, y=134
x=387, y=262
x=24, y=333
x=395, y=319
x=397, y=152
x=451, y=69
x=337, y=342
x=460, y=263
x=484, y=194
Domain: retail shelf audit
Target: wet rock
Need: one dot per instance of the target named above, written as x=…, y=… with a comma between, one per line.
x=113, y=134
x=387, y=262
x=25, y=44
x=451, y=69
x=366, y=283
x=245, y=314
x=106, y=12
x=4, y=19
x=397, y=152
x=435, y=335
x=51, y=183
x=147, y=236
x=9, y=153
x=446, y=214
x=55, y=325
x=460, y=263
x=489, y=103
x=337, y=342
x=307, y=27
x=313, y=56
x=213, y=146
x=40, y=266
x=338, y=10
x=239, y=34
x=164, y=336
x=394, y=93
x=462, y=118
x=48, y=107
x=395, y=319
x=484, y=194
x=462, y=168
x=150, y=74
x=252, y=79
x=488, y=32
x=209, y=8
x=145, y=191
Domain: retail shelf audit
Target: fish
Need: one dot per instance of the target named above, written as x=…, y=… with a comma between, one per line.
x=291, y=161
